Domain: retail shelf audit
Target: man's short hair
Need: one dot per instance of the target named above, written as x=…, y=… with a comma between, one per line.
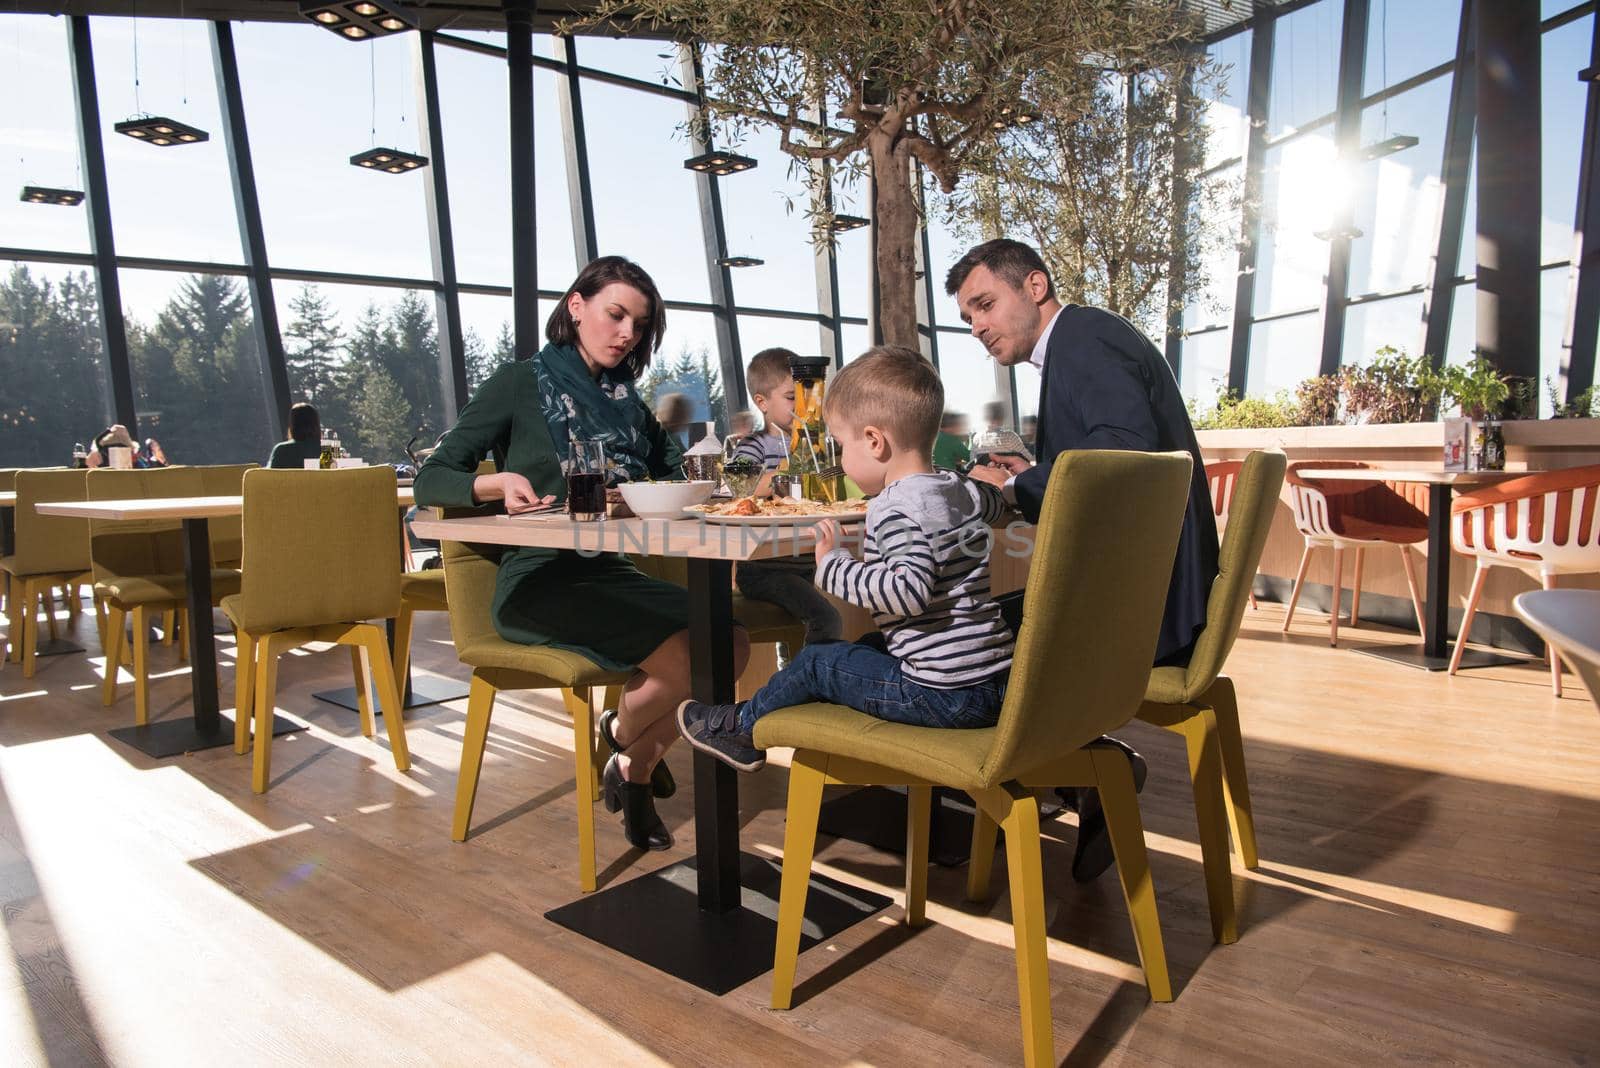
x=768, y=370
x=893, y=388
x=1010, y=261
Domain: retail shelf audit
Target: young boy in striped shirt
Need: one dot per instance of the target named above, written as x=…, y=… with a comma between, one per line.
x=945, y=651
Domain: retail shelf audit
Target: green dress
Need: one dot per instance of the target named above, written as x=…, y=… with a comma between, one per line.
x=294, y=454
x=601, y=607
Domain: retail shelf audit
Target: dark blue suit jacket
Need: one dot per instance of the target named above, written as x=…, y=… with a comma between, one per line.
x=1107, y=387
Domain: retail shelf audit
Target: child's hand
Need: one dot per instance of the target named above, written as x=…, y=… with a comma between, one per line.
x=828, y=535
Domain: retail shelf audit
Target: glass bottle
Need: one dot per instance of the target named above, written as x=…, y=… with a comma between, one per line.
x=330, y=442
x=1494, y=446
x=80, y=455
x=810, y=447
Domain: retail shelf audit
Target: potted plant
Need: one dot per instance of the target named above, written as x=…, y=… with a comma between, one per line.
x=1477, y=388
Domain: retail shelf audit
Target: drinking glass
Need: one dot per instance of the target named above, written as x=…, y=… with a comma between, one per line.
x=586, y=480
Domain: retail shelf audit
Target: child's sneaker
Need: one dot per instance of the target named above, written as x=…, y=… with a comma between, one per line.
x=715, y=729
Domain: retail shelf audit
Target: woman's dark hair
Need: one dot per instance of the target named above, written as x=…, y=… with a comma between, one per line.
x=561, y=330
x=304, y=423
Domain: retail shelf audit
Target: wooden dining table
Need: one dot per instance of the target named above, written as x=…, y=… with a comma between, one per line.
x=206, y=728
x=1434, y=652
x=710, y=920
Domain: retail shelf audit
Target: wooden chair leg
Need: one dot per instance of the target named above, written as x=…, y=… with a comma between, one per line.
x=266, y=672
x=30, y=627
x=1355, y=587
x=141, y=665
x=1299, y=583
x=799, y=844
x=1549, y=582
x=1205, y=775
x=111, y=642
x=100, y=620
x=168, y=625
x=1121, y=805
x=1235, y=781
x=74, y=600
x=381, y=667
x=582, y=713
x=13, y=618
x=244, y=684
x=403, y=623
x=1478, y=579
x=363, y=673
x=480, y=706
x=1026, y=873
x=1408, y=556
x=180, y=634
x=984, y=834
x=47, y=595
x=919, y=822
x=1338, y=596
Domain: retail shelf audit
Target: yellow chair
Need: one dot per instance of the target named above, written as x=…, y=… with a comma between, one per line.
x=470, y=572
x=420, y=591
x=1198, y=701
x=1102, y=560
x=227, y=532
x=8, y=484
x=139, y=569
x=49, y=551
x=320, y=560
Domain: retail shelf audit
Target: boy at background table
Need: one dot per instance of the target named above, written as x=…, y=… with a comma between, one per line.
x=924, y=575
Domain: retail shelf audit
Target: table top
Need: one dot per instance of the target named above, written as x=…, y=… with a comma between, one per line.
x=1437, y=476
x=643, y=537
x=1570, y=618
x=169, y=507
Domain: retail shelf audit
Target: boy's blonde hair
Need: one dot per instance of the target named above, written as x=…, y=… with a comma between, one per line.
x=890, y=387
x=768, y=370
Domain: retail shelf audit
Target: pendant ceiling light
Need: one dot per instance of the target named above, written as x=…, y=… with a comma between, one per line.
x=158, y=129
x=739, y=261
x=378, y=158
x=845, y=223
x=359, y=20
x=42, y=194
x=719, y=163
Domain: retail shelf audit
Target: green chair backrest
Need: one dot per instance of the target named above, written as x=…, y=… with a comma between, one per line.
x=50, y=545
x=227, y=532
x=1102, y=560
x=1255, y=501
x=133, y=547
x=319, y=547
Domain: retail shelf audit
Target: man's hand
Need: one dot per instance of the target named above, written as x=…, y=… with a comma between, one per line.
x=1010, y=462
x=828, y=536
x=519, y=494
x=993, y=474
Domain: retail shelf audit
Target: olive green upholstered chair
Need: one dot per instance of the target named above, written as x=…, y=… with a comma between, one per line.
x=320, y=561
x=49, y=551
x=470, y=572
x=1102, y=561
x=139, y=570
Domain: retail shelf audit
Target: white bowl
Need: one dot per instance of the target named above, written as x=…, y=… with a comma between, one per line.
x=664, y=500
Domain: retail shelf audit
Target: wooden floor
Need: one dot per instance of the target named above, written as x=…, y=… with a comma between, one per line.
x=1430, y=890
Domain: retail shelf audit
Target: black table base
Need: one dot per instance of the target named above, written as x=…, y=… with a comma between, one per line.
x=653, y=919
x=1415, y=656
x=419, y=694
x=174, y=737
x=876, y=816
x=56, y=647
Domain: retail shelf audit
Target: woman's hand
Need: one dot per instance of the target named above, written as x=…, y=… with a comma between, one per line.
x=828, y=537
x=518, y=493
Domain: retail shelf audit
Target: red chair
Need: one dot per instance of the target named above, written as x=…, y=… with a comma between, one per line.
x=1223, y=478
x=1342, y=515
x=1545, y=524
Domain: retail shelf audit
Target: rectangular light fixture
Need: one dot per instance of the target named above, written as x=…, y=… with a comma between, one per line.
x=739, y=261
x=721, y=164
x=389, y=159
x=357, y=20
x=1012, y=116
x=1397, y=143
x=156, y=130
x=43, y=194
x=842, y=223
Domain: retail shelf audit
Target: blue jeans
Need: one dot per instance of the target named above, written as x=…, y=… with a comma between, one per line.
x=868, y=679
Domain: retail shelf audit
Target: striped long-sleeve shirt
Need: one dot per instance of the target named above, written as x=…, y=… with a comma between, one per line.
x=924, y=576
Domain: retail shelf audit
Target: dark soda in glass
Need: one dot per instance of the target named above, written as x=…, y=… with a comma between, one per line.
x=586, y=494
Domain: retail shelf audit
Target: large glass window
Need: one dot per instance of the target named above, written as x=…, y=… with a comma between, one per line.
x=1463, y=337
x=1226, y=97
x=368, y=357
x=1397, y=197
x=1564, y=97
x=56, y=389
x=1284, y=353
x=853, y=252
x=1213, y=303
x=649, y=61
x=968, y=376
x=1552, y=331
x=1305, y=66
x=765, y=215
x=174, y=202
x=1302, y=184
x=1206, y=358
x=757, y=332
x=1396, y=322
x=199, y=386
x=690, y=363
x=1407, y=37
x=312, y=101
x=645, y=203
x=41, y=138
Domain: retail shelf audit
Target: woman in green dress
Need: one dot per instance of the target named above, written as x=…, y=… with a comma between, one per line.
x=581, y=386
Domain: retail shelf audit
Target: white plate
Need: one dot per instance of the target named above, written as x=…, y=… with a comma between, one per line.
x=773, y=520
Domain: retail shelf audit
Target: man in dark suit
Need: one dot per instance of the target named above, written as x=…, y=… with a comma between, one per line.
x=1105, y=386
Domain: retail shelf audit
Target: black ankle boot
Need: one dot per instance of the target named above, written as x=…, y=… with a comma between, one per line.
x=662, y=784
x=640, y=824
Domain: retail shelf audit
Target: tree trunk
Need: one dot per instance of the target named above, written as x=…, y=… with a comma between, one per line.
x=897, y=239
